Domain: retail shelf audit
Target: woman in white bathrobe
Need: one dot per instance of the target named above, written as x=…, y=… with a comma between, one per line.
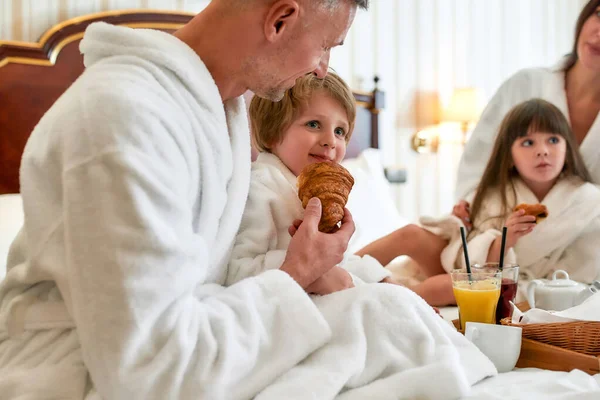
x=572, y=85
x=534, y=160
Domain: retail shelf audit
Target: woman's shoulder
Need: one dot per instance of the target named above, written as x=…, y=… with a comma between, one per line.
x=531, y=77
x=522, y=85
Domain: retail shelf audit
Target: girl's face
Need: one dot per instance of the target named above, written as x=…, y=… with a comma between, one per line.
x=539, y=158
x=588, y=43
x=317, y=134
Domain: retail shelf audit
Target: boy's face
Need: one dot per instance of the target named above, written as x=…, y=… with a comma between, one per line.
x=317, y=134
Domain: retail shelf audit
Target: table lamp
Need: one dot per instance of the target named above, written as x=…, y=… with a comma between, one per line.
x=464, y=107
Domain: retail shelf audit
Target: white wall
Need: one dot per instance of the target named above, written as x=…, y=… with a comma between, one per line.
x=421, y=50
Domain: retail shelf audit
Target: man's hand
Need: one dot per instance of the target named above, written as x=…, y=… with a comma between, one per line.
x=463, y=211
x=312, y=253
x=334, y=280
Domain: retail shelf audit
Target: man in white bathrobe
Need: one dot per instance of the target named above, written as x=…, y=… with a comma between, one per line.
x=133, y=186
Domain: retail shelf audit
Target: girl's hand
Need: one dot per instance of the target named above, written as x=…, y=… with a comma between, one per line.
x=518, y=225
x=462, y=210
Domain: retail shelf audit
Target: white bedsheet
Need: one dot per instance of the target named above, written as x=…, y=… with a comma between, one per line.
x=533, y=383
x=538, y=384
x=526, y=384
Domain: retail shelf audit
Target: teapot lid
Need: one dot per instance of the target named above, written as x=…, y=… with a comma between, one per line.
x=562, y=282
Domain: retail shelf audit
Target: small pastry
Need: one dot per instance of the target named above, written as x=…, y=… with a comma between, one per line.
x=539, y=211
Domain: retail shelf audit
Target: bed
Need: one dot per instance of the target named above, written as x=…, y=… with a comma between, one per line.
x=34, y=75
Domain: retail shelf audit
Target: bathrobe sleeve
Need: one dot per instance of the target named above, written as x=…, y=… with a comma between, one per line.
x=479, y=248
x=255, y=249
x=365, y=269
x=149, y=325
x=478, y=149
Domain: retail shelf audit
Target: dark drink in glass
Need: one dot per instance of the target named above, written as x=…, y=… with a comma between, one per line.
x=508, y=289
x=508, y=292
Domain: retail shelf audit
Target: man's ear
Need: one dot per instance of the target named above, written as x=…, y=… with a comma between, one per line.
x=281, y=18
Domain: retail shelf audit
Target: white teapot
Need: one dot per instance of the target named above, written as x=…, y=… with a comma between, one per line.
x=556, y=294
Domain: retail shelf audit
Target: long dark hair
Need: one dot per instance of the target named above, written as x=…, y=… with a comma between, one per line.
x=535, y=115
x=585, y=13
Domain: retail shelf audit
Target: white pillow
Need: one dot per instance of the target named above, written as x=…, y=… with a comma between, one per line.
x=11, y=221
x=370, y=201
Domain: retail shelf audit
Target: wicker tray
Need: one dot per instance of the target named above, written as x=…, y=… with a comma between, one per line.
x=581, y=336
x=549, y=347
x=535, y=354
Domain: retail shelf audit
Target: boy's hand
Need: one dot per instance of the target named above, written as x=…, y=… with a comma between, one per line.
x=312, y=253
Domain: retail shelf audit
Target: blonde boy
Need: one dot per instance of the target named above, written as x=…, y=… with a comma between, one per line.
x=312, y=123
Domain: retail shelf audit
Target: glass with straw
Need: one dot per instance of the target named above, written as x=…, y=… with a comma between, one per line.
x=476, y=291
x=510, y=280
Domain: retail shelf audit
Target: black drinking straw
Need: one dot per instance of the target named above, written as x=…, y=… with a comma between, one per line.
x=465, y=251
x=501, y=263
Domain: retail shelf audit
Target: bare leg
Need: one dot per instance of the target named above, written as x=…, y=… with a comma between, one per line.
x=419, y=244
x=436, y=291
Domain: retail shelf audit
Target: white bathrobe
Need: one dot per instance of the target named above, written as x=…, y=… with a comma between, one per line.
x=568, y=239
x=386, y=341
x=545, y=83
x=134, y=184
x=263, y=239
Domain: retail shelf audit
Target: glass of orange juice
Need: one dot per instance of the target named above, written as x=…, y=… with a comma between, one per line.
x=476, y=294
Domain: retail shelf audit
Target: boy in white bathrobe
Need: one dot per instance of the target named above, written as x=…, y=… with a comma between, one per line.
x=312, y=123
x=375, y=328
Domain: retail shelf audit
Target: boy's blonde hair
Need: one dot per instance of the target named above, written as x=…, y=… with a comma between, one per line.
x=269, y=120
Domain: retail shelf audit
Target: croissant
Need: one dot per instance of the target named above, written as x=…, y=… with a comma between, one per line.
x=539, y=211
x=331, y=183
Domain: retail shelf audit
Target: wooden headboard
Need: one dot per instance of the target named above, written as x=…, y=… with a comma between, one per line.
x=34, y=75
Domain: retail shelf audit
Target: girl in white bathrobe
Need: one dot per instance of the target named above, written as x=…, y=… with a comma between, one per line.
x=312, y=123
x=571, y=84
x=534, y=160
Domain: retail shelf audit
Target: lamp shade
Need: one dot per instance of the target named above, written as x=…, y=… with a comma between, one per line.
x=465, y=106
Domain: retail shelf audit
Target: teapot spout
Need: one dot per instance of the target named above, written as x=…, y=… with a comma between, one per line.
x=587, y=293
